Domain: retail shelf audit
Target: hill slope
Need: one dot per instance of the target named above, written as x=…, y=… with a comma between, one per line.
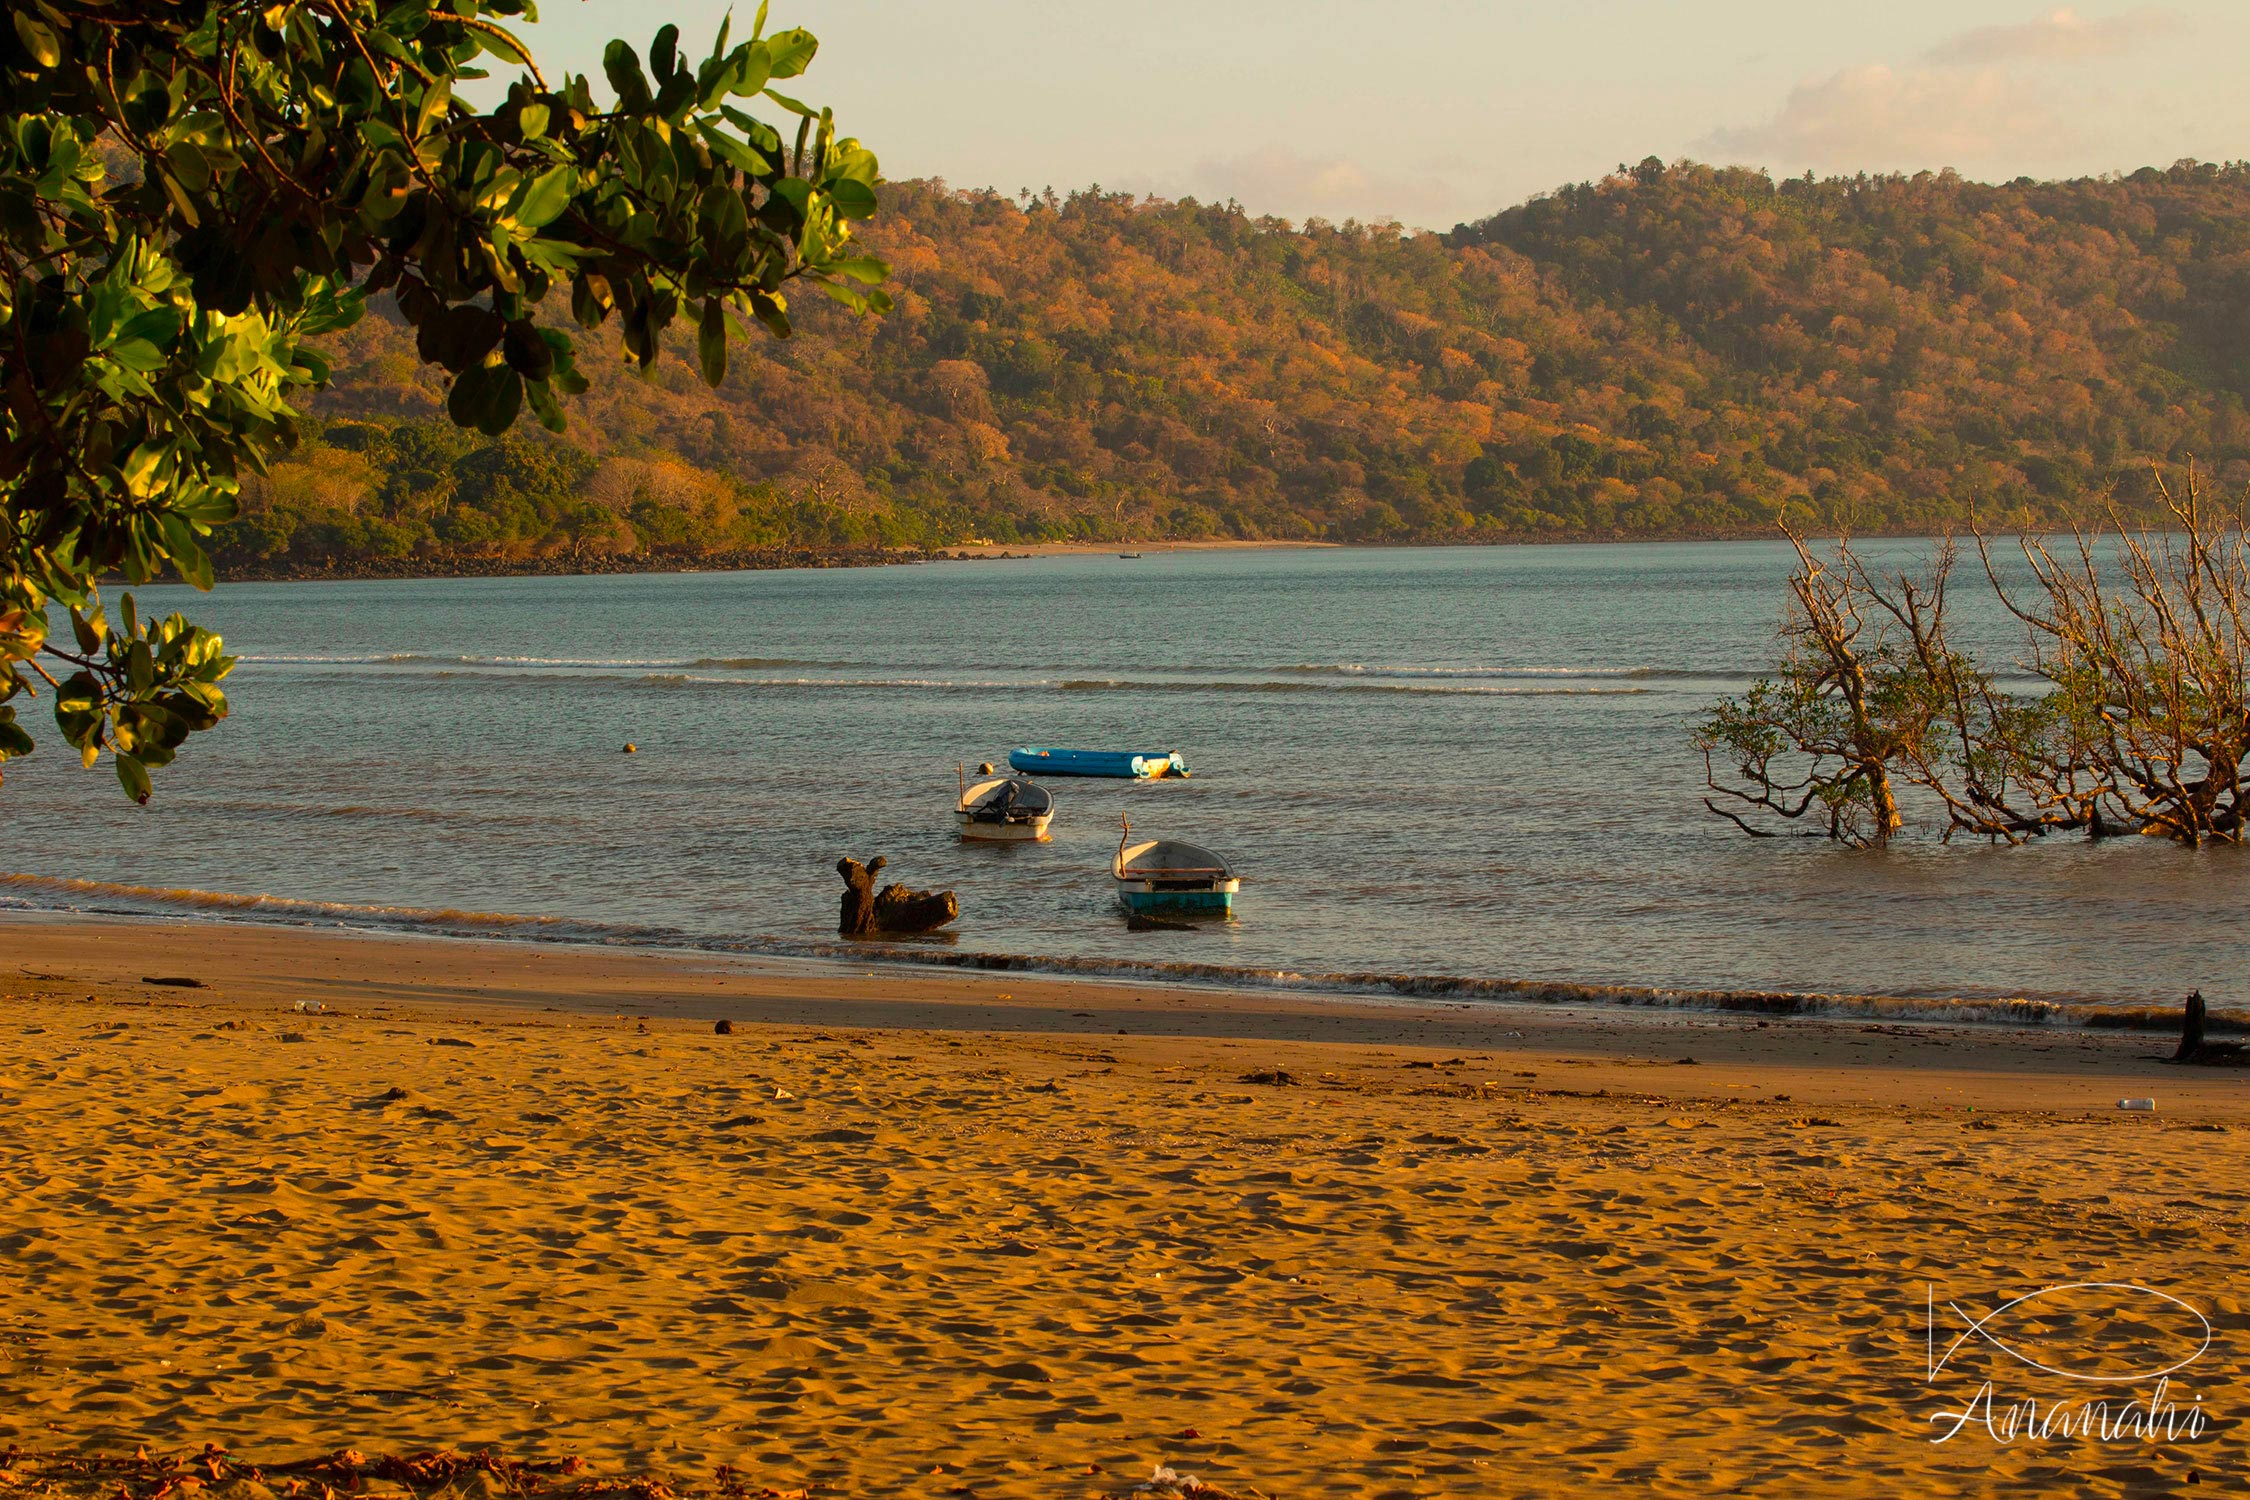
x=1668, y=351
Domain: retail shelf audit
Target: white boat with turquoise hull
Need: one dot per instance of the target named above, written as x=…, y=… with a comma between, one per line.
x=1168, y=878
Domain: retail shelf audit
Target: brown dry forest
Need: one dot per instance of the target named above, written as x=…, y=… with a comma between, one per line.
x=1671, y=351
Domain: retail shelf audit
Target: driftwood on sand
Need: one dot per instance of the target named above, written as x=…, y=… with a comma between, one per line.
x=2195, y=1048
x=865, y=912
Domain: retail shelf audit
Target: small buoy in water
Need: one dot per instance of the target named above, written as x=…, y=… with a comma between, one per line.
x=631, y=748
x=985, y=769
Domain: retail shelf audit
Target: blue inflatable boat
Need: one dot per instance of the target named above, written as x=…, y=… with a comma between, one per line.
x=1133, y=765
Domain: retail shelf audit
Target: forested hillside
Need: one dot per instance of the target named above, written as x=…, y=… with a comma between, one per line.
x=1669, y=351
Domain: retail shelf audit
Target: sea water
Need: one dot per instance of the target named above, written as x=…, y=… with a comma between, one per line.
x=1468, y=763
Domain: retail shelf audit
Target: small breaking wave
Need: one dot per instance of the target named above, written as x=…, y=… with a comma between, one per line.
x=678, y=678
x=769, y=663
x=1355, y=669
x=921, y=684
x=23, y=892
x=557, y=663
x=65, y=893
x=380, y=659
x=1121, y=685
x=1463, y=690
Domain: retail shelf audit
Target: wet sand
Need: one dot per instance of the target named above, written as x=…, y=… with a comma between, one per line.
x=997, y=1235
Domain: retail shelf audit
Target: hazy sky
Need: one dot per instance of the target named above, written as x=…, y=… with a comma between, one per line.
x=1437, y=111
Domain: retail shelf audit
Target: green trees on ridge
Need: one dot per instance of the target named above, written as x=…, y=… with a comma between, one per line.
x=1670, y=351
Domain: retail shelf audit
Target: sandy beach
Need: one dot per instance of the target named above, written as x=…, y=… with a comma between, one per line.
x=918, y=1234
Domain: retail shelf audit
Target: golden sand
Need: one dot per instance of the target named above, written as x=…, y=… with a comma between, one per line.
x=988, y=1235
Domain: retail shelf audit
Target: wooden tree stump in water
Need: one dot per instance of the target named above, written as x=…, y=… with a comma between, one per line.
x=898, y=909
x=857, y=918
x=865, y=913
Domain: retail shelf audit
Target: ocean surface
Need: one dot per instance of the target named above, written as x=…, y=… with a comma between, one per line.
x=1465, y=762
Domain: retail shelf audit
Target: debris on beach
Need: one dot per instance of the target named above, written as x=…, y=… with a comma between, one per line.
x=1167, y=1481
x=723, y=1028
x=173, y=981
x=2196, y=1048
x=215, y=1471
x=1276, y=1076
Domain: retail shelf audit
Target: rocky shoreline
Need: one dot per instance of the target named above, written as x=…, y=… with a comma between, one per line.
x=752, y=560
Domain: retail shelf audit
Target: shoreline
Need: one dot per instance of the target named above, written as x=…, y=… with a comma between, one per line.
x=752, y=560
x=1311, y=986
x=787, y=559
x=267, y=963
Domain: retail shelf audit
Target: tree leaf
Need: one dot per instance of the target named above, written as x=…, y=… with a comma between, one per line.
x=140, y=466
x=546, y=196
x=853, y=199
x=502, y=44
x=158, y=325
x=527, y=353
x=862, y=268
x=13, y=740
x=188, y=165
x=133, y=776
x=541, y=395
x=37, y=37
x=136, y=354
x=792, y=51
x=188, y=556
x=494, y=396
x=622, y=66
x=436, y=100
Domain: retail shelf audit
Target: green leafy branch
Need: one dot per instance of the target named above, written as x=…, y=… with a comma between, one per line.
x=191, y=192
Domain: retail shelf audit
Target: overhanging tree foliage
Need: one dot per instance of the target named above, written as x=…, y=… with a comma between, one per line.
x=190, y=190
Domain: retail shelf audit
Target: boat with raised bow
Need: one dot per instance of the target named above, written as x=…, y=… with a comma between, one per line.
x=1168, y=878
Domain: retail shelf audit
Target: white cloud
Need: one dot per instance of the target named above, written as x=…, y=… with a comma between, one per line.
x=2058, y=36
x=1876, y=118
x=1985, y=99
x=1276, y=180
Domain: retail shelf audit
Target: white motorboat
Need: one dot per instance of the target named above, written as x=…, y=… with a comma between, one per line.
x=1006, y=809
